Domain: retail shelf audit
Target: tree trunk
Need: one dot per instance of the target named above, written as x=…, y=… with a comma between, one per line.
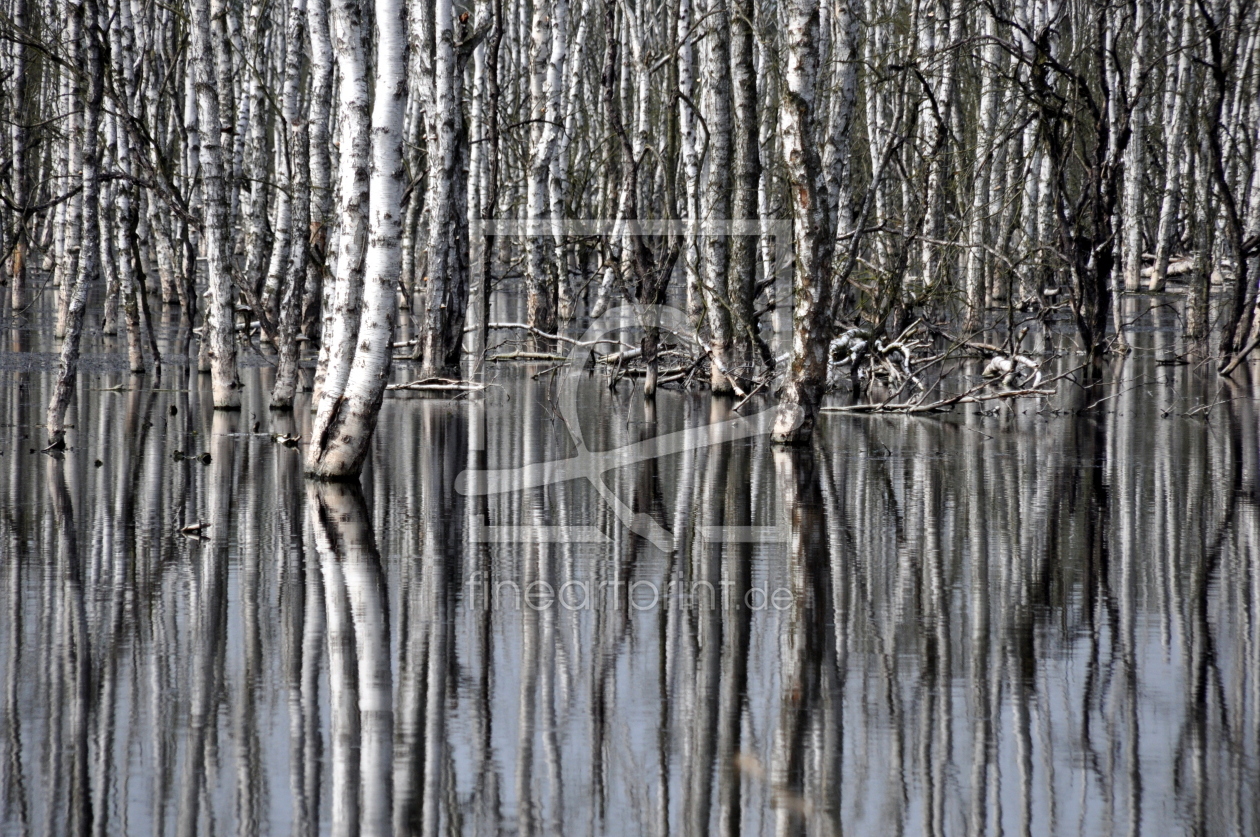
x=1173, y=163
x=84, y=12
x=299, y=213
x=807, y=374
x=341, y=319
x=715, y=199
x=446, y=288
x=218, y=327
x=345, y=420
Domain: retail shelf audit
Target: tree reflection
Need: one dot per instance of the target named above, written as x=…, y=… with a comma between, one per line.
x=1022, y=623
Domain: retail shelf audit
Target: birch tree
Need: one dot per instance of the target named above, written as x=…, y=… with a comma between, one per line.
x=218, y=327
x=446, y=285
x=811, y=282
x=347, y=415
x=85, y=13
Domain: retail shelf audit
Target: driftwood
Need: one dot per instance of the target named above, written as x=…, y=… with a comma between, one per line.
x=438, y=385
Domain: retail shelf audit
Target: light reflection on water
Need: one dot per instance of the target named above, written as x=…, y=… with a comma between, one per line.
x=1020, y=623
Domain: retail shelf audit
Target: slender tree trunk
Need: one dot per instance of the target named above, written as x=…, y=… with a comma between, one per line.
x=715, y=197
x=218, y=328
x=746, y=169
x=320, y=171
x=258, y=154
x=127, y=206
x=299, y=213
x=446, y=290
x=978, y=228
x=18, y=176
x=1176, y=144
x=807, y=374
x=75, y=228
x=85, y=12
x=1131, y=215
x=550, y=35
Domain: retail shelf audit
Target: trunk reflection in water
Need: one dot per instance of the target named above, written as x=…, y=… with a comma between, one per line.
x=1011, y=623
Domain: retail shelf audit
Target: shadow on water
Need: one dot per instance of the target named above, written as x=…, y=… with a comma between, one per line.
x=1037, y=619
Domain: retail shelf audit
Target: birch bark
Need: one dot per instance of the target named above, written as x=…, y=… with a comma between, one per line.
x=353, y=126
x=218, y=328
x=1176, y=145
x=807, y=373
x=715, y=67
x=85, y=12
x=446, y=288
x=1135, y=152
x=299, y=213
x=345, y=421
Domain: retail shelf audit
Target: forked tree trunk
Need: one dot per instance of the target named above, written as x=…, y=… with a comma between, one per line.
x=807, y=374
x=345, y=421
x=341, y=320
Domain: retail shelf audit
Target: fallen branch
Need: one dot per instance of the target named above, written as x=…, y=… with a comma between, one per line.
x=439, y=385
x=526, y=356
x=937, y=406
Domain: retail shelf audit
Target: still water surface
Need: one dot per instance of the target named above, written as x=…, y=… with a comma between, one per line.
x=1041, y=621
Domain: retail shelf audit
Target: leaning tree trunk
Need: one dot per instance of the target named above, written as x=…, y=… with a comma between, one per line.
x=807, y=374
x=218, y=327
x=89, y=260
x=345, y=420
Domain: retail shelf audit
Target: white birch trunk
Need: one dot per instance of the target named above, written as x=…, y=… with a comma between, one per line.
x=345, y=421
x=313, y=322
x=550, y=46
x=341, y=319
x=1135, y=153
x=978, y=226
x=299, y=210
x=690, y=154
x=218, y=329
x=807, y=373
x=715, y=68
x=446, y=289
x=88, y=263
x=1176, y=146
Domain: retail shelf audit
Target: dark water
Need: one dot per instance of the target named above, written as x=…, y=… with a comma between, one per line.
x=1041, y=621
